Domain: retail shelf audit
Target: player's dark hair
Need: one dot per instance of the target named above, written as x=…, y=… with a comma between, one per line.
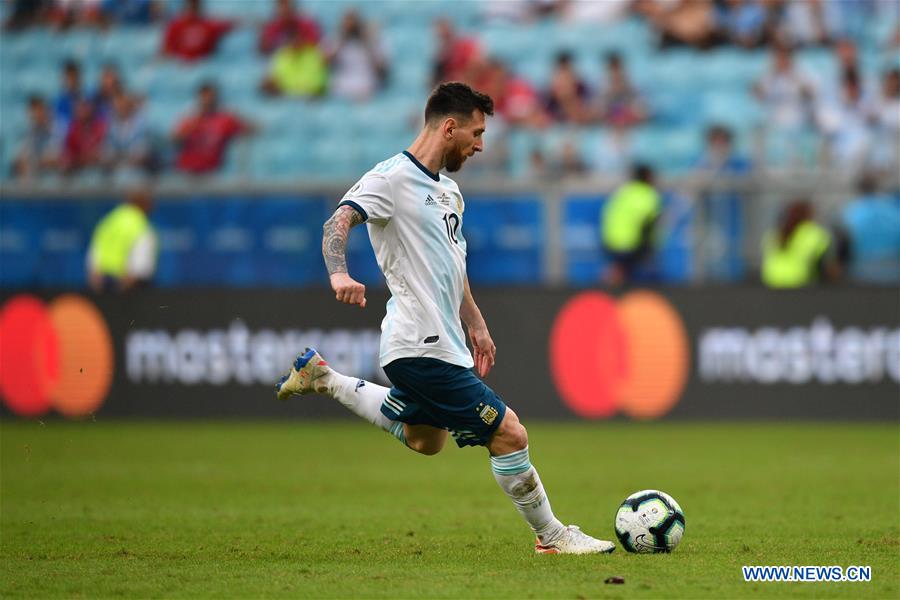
x=719, y=130
x=564, y=58
x=642, y=172
x=208, y=86
x=455, y=99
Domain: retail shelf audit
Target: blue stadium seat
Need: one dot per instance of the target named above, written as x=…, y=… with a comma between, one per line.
x=244, y=11
x=130, y=46
x=238, y=44
x=736, y=109
x=791, y=149
x=730, y=69
x=29, y=47
x=162, y=115
x=675, y=107
x=674, y=69
x=33, y=81
x=667, y=149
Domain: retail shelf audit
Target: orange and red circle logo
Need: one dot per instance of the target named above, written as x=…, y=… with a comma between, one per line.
x=57, y=355
x=630, y=355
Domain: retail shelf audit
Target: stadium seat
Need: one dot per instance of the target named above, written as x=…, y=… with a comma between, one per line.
x=130, y=46
x=243, y=12
x=666, y=149
x=735, y=109
x=240, y=43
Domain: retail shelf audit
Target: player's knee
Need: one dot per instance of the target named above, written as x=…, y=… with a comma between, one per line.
x=514, y=433
x=519, y=437
x=425, y=440
x=425, y=446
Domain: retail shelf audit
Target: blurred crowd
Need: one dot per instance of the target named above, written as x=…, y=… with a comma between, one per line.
x=102, y=126
x=854, y=110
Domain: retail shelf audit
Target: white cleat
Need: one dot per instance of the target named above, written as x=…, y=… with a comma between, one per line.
x=305, y=377
x=574, y=541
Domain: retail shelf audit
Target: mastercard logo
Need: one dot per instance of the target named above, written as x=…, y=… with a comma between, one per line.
x=57, y=355
x=628, y=355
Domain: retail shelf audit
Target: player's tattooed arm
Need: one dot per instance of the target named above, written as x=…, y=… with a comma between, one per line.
x=334, y=246
x=334, y=238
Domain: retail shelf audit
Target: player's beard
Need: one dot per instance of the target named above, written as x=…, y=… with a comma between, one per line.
x=454, y=160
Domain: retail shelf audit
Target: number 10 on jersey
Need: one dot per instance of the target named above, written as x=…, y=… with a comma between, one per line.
x=451, y=222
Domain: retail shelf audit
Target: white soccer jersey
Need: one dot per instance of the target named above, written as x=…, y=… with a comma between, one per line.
x=414, y=219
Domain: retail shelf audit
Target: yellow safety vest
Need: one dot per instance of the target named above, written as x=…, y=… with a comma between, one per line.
x=626, y=213
x=795, y=264
x=301, y=71
x=115, y=236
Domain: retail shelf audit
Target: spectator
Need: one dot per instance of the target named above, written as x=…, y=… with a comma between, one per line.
x=26, y=13
x=280, y=29
x=515, y=100
x=786, y=92
x=191, y=35
x=844, y=123
x=847, y=55
x=619, y=103
x=719, y=156
x=567, y=95
x=744, y=23
x=830, y=88
x=600, y=13
x=799, y=252
x=537, y=164
x=123, y=251
x=723, y=208
x=83, y=144
x=297, y=69
x=681, y=22
x=357, y=61
x=507, y=11
x=567, y=162
x=71, y=94
x=128, y=144
x=872, y=221
x=809, y=22
x=78, y=13
x=885, y=116
x=628, y=223
x=133, y=12
x=204, y=136
x=110, y=87
x=458, y=58
x=39, y=150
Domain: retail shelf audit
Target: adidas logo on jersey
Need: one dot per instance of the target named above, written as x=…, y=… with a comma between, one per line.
x=429, y=201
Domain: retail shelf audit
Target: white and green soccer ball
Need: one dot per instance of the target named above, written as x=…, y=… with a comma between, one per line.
x=649, y=521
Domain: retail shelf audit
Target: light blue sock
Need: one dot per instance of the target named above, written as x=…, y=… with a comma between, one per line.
x=520, y=481
x=396, y=430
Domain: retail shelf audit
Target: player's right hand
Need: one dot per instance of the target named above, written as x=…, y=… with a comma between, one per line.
x=348, y=290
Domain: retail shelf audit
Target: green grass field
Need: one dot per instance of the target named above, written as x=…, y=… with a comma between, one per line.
x=183, y=510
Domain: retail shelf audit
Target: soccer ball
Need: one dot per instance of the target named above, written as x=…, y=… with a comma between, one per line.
x=649, y=521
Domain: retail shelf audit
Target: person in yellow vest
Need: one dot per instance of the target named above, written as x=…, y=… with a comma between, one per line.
x=299, y=68
x=800, y=252
x=628, y=224
x=123, y=249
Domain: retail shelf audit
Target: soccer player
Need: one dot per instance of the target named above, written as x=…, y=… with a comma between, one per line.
x=414, y=217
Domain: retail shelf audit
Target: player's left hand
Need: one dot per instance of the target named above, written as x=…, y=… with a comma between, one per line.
x=485, y=350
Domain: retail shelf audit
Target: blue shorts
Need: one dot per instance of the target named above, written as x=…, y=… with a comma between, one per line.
x=428, y=391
